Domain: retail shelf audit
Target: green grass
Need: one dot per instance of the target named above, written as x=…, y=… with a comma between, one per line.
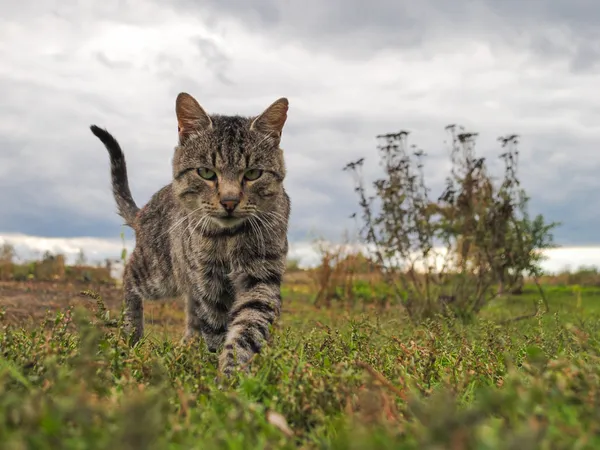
x=330, y=379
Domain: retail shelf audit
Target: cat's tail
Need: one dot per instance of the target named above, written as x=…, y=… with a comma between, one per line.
x=118, y=169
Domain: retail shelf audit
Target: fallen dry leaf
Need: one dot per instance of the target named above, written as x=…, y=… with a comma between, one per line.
x=277, y=420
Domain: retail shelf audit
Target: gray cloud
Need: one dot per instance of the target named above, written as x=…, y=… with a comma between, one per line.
x=356, y=29
x=216, y=60
x=351, y=69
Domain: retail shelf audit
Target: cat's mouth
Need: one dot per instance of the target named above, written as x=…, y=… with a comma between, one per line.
x=228, y=221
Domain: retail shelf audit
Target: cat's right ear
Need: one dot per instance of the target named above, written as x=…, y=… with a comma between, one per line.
x=190, y=116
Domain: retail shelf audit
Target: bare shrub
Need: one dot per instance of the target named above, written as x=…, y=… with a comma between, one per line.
x=454, y=254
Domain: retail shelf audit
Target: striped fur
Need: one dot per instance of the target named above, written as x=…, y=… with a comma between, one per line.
x=227, y=266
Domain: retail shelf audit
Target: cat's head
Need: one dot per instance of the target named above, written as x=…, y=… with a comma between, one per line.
x=228, y=168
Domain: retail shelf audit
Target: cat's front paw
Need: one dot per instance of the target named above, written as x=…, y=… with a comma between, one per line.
x=214, y=342
x=227, y=364
x=234, y=358
x=134, y=330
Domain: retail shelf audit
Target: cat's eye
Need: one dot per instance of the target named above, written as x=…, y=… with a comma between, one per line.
x=253, y=174
x=207, y=174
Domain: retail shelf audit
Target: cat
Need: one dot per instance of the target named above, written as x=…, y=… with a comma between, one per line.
x=216, y=235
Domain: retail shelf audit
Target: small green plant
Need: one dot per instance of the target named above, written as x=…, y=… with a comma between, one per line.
x=347, y=380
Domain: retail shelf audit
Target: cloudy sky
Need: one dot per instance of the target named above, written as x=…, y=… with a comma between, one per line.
x=351, y=70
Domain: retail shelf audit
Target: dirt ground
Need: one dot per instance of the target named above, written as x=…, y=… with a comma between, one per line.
x=27, y=303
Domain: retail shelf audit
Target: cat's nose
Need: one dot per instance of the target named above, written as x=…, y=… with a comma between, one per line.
x=230, y=203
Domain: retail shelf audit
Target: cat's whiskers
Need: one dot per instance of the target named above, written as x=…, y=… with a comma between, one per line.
x=189, y=227
x=198, y=223
x=268, y=226
x=271, y=220
x=275, y=215
x=256, y=227
x=204, y=225
x=180, y=221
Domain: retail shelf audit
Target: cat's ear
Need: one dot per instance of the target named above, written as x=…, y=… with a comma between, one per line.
x=190, y=115
x=272, y=119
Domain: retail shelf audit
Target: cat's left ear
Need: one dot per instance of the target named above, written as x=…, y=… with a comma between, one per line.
x=191, y=116
x=272, y=120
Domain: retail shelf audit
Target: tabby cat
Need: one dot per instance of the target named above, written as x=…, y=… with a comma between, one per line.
x=217, y=234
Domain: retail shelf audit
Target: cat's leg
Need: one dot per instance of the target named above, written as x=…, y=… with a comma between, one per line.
x=207, y=317
x=192, y=325
x=142, y=280
x=207, y=305
x=257, y=305
x=134, y=305
x=214, y=337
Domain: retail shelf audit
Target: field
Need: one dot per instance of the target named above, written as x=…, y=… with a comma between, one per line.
x=340, y=377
